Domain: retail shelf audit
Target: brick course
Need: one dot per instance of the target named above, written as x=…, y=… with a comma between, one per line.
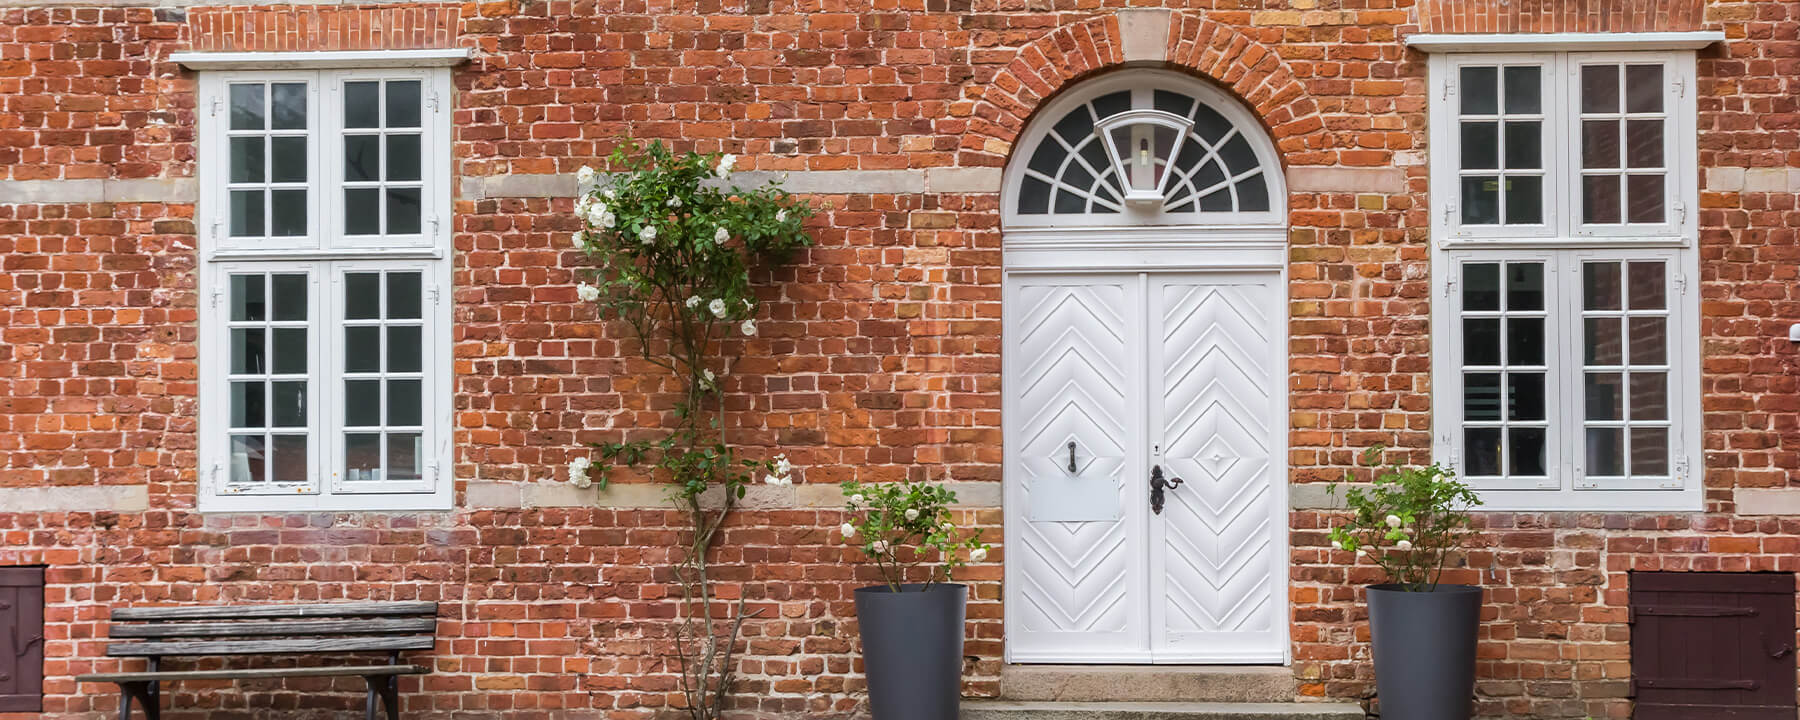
x=879, y=358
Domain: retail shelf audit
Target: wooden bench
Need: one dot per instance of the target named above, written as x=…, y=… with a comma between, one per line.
x=252, y=630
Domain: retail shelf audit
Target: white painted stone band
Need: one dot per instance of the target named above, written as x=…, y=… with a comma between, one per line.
x=511, y=495
x=97, y=190
x=75, y=498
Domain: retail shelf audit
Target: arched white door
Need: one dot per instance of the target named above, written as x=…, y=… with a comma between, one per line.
x=1145, y=342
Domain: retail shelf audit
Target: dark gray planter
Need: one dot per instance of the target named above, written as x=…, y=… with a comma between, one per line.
x=1424, y=650
x=912, y=649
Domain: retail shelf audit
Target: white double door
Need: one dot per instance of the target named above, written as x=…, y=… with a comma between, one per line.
x=1113, y=378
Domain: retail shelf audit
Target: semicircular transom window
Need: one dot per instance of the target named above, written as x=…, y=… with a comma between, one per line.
x=1212, y=167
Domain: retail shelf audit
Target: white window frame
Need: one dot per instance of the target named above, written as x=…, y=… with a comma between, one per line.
x=326, y=253
x=1563, y=244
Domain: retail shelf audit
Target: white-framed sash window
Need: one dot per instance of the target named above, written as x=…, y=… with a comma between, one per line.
x=324, y=352
x=1566, y=334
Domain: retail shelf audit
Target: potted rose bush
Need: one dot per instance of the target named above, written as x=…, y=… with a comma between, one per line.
x=1410, y=522
x=912, y=623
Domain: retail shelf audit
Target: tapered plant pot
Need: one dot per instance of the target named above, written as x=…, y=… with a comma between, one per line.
x=1424, y=650
x=912, y=649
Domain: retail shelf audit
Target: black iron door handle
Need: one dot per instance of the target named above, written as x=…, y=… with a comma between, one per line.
x=1157, y=484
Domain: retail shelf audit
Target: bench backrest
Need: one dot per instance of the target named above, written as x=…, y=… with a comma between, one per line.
x=274, y=629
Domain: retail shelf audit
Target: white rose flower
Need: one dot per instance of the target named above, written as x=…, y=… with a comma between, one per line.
x=693, y=301
x=726, y=163
x=582, y=205
x=978, y=555
x=585, y=175
x=1363, y=551
x=648, y=234
x=1335, y=545
x=947, y=526
x=609, y=193
x=848, y=529
x=597, y=212
x=1403, y=545
x=717, y=306
x=778, y=480
x=1393, y=521
x=879, y=546
x=674, y=202
x=749, y=327
x=608, y=220
x=720, y=235
x=708, y=374
x=587, y=293
x=578, y=472
x=912, y=514
x=856, y=499
x=782, y=466
x=780, y=216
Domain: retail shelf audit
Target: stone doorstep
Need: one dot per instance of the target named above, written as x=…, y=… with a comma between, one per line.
x=1147, y=683
x=1025, y=710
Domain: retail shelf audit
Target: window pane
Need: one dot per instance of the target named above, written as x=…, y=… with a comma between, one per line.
x=247, y=298
x=1600, y=286
x=405, y=459
x=362, y=104
x=1649, y=451
x=362, y=349
x=403, y=349
x=1643, y=143
x=1480, y=145
x=1649, y=340
x=1034, y=197
x=362, y=457
x=290, y=404
x=246, y=458
x=247, y=407
x=1524, y=94
x=1647, y=286
x=288, y=460
x=1600, y=199
x=362, y=296
x=362, y=403
x=1649, y=396
x=1524, y=341
x=1483, y=448
x=404, y=295
x=403, y=157
x=362, y=211
x=403, y=103
x=1605, y=452
x=288, y=216
x=1481, y=397
x=1524, y=200
x=290, y=297
x=248, y=352
x=1605, y=396
x=362, y=158
x=287, y=158
x=1481, y=341
x=288, y=103
x=1600, y=144
x=1646, y=193
x=1481, y=200
x=1482, y=291
x=1524, y=286
x=1600, y=88
x=290, y=351
x=246, y=213
x=404, y=408
x=1525, y=396
x=1643, y=88
x=1527, y=456
x=247, y=107
x=403, y=211
x=1604, y=344
x=247, y=159
x=1480, y=90
x=1524, y=144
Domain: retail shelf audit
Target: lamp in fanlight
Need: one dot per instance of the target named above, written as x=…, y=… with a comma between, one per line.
x=1141, y=144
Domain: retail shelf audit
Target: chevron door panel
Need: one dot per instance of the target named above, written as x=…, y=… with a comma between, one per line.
x=1075, y=559
x=1217, y=557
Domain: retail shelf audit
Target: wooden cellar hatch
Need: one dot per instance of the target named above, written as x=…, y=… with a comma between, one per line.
x=1713, y=646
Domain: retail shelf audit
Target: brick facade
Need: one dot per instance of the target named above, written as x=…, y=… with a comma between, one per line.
x=880, y=356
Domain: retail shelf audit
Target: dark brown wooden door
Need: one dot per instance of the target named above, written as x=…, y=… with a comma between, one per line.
x=21, y=623
x=1713, y=646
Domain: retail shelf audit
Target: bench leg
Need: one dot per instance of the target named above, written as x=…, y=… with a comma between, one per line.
x=145, y=695
x=387, y=688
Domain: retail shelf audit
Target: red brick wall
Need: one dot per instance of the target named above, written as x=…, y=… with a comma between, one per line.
x=879, y=360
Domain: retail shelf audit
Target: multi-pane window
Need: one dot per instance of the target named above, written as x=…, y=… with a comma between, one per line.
x=325, y=371
x=1566, y=363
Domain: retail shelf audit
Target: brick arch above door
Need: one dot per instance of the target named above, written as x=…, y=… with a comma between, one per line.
x=1245, y=65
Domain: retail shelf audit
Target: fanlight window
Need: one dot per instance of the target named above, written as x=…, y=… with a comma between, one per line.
x=1158, y=151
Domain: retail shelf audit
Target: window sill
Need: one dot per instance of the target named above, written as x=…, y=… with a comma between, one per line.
x=1553, y=243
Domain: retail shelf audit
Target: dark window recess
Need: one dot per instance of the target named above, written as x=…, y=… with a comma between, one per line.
x=22, y=622
x=1712, y=646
